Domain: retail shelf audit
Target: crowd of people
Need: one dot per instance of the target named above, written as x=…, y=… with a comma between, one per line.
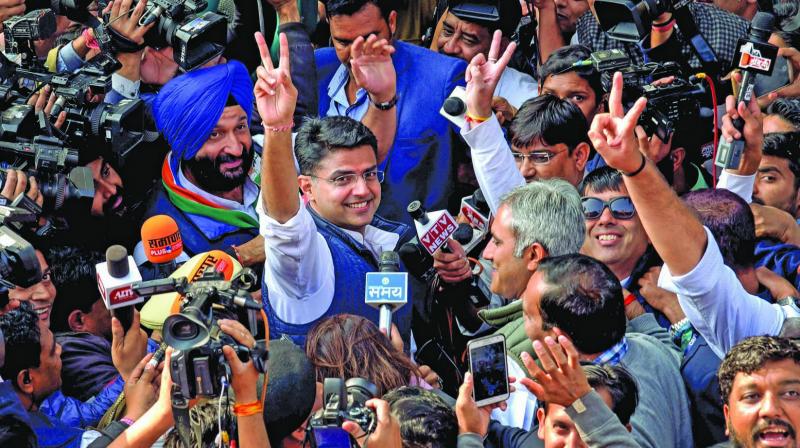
x=647, y=295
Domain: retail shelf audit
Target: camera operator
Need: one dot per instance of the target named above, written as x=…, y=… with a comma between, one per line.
x=721, y=28
x=35, y=373
x=348, y=346
x=206, y=178
x=463, y=37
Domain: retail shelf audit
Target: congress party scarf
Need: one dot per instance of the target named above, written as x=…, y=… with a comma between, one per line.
x=190, y=202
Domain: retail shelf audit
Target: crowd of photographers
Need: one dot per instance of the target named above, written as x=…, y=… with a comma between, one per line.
x=400, y=223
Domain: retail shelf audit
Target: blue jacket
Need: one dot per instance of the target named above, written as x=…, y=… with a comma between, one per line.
x=421, y=165
x=15, y=425
x=199, y=233
x=781, y=258
x=351, y=262
x=75, y=413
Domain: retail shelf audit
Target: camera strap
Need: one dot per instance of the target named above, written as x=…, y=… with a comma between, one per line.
x=180, y=413
x=122, y=44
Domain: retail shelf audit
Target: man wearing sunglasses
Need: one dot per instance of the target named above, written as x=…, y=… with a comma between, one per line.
x=318, y=253
x=614, y=233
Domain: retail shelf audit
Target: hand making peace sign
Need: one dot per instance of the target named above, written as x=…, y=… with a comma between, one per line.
x=276, y=96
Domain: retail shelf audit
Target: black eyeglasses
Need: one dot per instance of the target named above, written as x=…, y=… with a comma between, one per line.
x=621, y=207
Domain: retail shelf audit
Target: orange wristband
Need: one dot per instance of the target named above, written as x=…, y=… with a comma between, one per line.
x=476, y=119
x=248, y=409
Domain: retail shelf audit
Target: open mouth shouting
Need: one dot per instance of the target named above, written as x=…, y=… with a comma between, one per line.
x=774, y=433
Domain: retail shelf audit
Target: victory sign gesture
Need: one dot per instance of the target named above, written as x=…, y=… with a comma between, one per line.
x=612, y=133
x=372, y=67
x=483, y=74
x=276, y=96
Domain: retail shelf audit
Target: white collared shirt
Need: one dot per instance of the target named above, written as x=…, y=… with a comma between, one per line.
x=298, y=270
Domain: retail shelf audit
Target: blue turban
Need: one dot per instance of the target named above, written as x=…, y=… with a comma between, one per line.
x=188, y=107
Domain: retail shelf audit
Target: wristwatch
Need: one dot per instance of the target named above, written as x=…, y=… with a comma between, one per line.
x=385, y=106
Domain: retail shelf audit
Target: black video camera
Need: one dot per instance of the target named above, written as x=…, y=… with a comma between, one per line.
x=18, y=262
x=667, y=104
x=55, y=167
x=198, y=365
x=196, y=37
x=630, y=20
x=342, y=400
x=21, y=31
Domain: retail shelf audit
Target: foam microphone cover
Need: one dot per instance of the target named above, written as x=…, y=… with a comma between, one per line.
x=161, y=239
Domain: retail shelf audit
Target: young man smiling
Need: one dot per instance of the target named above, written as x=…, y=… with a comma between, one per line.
x=318, y=254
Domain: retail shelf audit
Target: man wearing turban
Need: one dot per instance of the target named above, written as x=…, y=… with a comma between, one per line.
x=207, y=177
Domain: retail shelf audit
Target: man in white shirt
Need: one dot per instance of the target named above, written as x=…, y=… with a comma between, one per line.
x=317, y=254
x=466, y=34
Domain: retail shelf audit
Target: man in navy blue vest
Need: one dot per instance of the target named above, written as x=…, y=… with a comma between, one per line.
x=418, y=154
x=318, y=253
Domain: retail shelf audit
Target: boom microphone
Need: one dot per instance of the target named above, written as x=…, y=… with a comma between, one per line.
x=114, y=279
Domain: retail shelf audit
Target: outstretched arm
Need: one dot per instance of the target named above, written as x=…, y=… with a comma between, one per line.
x=676, y=233
x=276, y=97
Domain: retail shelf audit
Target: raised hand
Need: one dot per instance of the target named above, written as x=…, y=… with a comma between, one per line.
x=372, y=67
x=560, y=379
x=752, y=132
x=128, y=25
x=483, y=75
x=276, y=96
x=612, y=133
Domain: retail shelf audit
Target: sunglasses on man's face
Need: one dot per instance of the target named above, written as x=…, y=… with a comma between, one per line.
x=621, y=207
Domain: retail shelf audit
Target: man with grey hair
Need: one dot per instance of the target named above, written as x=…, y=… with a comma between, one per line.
x=532, y=222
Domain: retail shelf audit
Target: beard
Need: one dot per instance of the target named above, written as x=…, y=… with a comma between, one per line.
x=208, y=173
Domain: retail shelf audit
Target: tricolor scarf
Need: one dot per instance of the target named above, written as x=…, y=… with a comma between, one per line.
x=190, y=202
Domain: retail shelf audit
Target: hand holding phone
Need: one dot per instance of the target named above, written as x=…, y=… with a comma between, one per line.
x=489, y=369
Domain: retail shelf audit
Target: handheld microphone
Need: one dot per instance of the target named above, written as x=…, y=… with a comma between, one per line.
x=162, y=243
x=476, y=210
x=433, y=229
x=114, y=279
x=756, y=57
x=386, y=290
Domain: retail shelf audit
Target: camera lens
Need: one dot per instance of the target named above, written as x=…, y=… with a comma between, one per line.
x=184, y=330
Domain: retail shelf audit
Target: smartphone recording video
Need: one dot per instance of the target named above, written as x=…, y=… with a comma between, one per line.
x=487, y=362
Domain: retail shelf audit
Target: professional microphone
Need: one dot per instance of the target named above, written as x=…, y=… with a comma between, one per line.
x=114, y=279
x=756, y=57
x=162, y=244
x=434, y=228
x=386, y=290
x=476, y=210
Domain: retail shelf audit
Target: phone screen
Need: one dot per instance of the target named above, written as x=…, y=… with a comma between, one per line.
x=331, y=438
x=489, y=370
x=779, y=78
